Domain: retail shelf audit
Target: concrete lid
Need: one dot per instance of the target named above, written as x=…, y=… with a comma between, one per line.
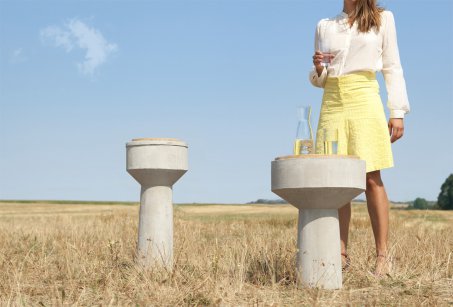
x=156, y=141
x=313, y=156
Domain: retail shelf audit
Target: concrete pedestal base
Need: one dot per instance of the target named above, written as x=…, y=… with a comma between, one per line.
x=319, y=252
x=155, y=228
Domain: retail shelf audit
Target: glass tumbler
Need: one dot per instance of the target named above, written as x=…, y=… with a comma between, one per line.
x=330, y=141
x=324, y=47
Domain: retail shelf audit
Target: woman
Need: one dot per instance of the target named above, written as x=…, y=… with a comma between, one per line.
x=362, y=40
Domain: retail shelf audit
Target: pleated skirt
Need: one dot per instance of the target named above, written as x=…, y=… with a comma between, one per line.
x=352, y=104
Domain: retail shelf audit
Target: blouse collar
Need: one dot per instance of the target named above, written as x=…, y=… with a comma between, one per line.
x=343, y=20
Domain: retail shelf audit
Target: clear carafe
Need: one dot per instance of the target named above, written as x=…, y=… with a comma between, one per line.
x=304, y=135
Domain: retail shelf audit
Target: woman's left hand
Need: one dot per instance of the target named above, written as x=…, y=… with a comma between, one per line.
x=396, y=128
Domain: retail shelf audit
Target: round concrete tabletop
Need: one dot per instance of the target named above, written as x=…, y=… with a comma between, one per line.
x=313, y=156
x=318, y=181
x=156, y=141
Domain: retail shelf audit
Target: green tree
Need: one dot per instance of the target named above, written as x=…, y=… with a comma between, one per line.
x=445, y=199
x=420, y=203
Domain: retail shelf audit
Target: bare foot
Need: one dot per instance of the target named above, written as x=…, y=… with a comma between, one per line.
x=345, y=262
x=383, y=266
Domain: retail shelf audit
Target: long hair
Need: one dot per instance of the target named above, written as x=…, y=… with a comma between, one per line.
x=368, y=15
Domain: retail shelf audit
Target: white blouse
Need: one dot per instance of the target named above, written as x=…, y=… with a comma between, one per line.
x=355, y=51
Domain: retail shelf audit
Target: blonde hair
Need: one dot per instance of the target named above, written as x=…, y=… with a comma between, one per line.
x=367, y=13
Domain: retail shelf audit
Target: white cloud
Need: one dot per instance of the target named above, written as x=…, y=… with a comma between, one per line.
x=17, y=56
x=60, y=37
x=76, y=34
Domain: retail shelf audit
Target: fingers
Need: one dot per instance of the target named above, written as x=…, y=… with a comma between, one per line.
x=396, y=129
x=397, y=133
x=317, y=58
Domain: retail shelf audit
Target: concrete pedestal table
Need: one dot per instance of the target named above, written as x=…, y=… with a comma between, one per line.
x=156, y=164
x=318, y=185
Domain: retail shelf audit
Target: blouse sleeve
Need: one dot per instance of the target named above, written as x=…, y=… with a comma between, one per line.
x=397, y=102
x=316, y=80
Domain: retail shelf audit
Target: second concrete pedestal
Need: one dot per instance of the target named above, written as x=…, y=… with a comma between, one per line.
x=318, y=185
x=156, y=164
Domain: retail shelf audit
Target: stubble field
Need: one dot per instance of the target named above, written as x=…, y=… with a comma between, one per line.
x=225, y=255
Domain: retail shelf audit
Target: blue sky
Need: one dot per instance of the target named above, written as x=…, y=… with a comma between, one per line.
x=78, y=79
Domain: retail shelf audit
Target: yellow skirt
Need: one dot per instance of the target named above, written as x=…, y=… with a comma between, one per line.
x=351, y=103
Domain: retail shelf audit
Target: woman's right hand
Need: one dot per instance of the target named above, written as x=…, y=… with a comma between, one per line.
x=317, y=61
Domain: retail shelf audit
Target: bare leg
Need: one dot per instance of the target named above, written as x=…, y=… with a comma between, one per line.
x=344, y=216
x=378, y=209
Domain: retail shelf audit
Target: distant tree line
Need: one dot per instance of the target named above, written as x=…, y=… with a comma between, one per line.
x=421, y=204
x=268, y=201
x=444, y=200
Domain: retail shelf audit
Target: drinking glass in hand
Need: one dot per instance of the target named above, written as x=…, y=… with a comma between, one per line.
x=326, y=59
x=326, y=54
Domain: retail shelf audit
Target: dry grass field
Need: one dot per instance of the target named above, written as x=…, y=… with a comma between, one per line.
x=225, y=255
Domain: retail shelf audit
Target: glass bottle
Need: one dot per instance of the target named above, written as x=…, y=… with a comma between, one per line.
x=304, y=135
